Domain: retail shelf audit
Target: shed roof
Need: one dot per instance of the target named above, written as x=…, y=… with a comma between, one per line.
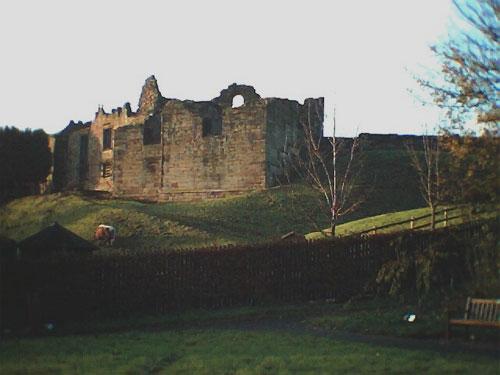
x=54, y=239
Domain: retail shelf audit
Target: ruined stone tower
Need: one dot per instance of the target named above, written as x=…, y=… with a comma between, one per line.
x=150, y=96
x=182, y=150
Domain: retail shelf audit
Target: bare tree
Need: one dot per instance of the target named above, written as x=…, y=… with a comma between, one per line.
x=428, y=171
x=327, y=165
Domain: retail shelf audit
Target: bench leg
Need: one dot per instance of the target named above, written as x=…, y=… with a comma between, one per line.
x=448, y=325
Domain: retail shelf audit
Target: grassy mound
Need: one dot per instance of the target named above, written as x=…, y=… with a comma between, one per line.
x=368, y=223
x=255, y=217
x=387, y=183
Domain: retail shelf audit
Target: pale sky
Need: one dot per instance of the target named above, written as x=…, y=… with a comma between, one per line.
x=61, y=59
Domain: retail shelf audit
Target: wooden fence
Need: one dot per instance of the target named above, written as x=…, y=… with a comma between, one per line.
x=417, y=222
x=70, y=288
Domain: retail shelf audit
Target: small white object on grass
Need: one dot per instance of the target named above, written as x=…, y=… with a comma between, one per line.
x=410, y=317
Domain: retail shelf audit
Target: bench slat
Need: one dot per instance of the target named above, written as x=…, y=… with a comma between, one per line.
x=467, y=308
x=487, y=309
x=482, y=308
x=490, y=315
x=477, y=323
x=473, y=308
x=483, y=300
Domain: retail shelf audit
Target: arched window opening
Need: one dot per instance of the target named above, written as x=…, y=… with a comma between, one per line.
x=238, y=101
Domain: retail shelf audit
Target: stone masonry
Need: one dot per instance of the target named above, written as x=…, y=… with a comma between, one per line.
x=182, y=150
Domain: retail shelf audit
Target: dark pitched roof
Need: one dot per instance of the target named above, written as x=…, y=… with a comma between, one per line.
x=54, y=239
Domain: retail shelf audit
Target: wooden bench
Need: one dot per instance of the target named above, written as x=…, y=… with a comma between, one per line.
x=478, y=313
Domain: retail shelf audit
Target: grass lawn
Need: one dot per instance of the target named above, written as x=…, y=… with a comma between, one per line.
x=224, y=351
x=254, y=217
x=383, y=317
x=213, y=342
x=394, y=217
x=259, y=216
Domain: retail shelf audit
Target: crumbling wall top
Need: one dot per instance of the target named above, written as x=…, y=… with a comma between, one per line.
x=72, y=126
x=125, y=111
x=226, y=96
x=150, y=96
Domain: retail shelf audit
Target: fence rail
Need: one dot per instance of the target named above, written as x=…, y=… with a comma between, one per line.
x=413, y=220
x=80, y=288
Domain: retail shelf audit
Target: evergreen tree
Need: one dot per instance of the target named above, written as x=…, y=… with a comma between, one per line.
x=25, y=161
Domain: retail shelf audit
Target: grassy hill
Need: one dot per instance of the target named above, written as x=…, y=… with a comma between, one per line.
x=386, y=179
x=255, y=217
x=368, y=223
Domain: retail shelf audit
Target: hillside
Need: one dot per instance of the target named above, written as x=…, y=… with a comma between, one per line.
x=255, y=217
x=368, y=223
x=387, y=181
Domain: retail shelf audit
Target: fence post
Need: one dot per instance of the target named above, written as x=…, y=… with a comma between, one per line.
x=412, y=222
x=446, y=217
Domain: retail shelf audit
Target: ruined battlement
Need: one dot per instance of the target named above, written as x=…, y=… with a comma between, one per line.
x=125, y=111
x=172, y=149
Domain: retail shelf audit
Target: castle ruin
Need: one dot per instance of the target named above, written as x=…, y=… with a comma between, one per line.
x=172, y=150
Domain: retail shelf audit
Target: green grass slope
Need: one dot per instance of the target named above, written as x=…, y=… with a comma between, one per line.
x=368, y=223
x=387, y=183
x=255, y=217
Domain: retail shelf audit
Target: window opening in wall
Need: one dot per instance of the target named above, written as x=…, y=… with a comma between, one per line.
x=107, y=169
x=207, y=127
x=152, y=130
x=238, y=101
x=211, y=127
x=106, y=139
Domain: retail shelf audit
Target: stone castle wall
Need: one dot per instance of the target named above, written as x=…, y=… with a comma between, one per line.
x=182, y=150
x=136, y=170
x=98, y=156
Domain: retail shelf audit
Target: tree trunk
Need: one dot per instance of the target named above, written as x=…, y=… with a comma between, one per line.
x=433, y=217
x=333, y=225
